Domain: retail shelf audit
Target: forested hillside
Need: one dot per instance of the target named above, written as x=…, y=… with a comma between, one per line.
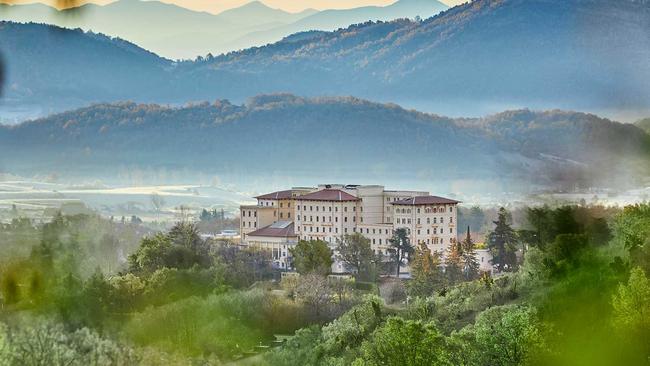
x=299, y=137
x=473, y=58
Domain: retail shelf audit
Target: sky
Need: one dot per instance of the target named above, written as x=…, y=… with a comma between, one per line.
x=215, y=6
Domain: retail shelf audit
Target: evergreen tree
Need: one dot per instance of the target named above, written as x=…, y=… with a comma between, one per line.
x=502, y=242
x=426, y=273
x=401, y=247
x=313, y=256
x=470, y=262
x=356, y=252
x=454, y=262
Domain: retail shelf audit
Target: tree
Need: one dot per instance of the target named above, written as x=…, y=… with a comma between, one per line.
x=632, y=305
x=502, y=242
x=508, y=335
x=469, y=260
x=454, y=262
x=314, y=291
x=356, y=252
x=312, y=256
x=157, y=202
x=181, y=248
x=401, y=247
x=404, y=342
x=426, y=273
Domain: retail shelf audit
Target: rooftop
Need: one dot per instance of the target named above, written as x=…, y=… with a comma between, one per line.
x=425, y=200
x=279, y=195
x=280, y=229
x=328, y=195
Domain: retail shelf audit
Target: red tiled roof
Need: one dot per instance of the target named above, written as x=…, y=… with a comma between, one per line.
x=280, y=229
x=279, y=195
x=328, y=195
x=425, y=200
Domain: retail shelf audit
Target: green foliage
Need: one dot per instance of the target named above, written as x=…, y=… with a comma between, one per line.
x=400, y=248
x=631, y=230
x=47, y=343
x=502, y=242
x=426, y=272
x=301, y=349
x=356, y=252
x=181, y=248
x=312, y=256
x=226, y=325
x=632, y=306
x=404, y=342
x=508, y=335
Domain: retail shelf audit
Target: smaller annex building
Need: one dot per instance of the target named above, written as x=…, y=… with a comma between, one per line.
x=275, y=240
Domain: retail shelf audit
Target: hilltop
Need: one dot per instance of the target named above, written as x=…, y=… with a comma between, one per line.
x=286, y=135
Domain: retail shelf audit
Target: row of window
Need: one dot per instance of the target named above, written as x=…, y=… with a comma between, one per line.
x=435, y=231
x=426, y=210
x=336, y=219
x=435, y=221
x=336, y=209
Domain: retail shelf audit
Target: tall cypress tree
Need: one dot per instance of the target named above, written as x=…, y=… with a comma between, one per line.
x=502, y=243
x=470, y=262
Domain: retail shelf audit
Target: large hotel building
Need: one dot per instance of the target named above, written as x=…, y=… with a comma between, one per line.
x=280, y=219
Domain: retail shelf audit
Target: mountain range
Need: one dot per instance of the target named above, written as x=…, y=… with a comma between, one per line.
x=179, y=33
x=471, y=60
x=290, y=138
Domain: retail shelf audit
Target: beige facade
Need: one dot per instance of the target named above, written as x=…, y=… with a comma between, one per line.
x=379, y=236
x=332, y=210
x=326, y=217
x=253, y=217
x=429, y=220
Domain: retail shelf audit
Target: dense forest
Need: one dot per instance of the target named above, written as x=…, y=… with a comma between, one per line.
x=575, y=290
x=287, y=135
x=470, y=59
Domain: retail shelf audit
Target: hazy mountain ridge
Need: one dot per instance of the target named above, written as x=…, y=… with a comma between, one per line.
x=285, y=134
x=476, y=58
x=177, y=32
